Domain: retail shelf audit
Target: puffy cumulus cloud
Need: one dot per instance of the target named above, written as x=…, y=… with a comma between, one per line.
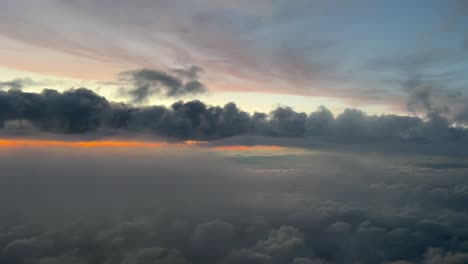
x=148, y=82
x=144, y=206
x=285, y=240
x=278, y=247
x=81, y=111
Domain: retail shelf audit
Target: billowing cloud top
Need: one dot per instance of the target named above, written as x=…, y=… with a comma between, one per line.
x=90, y=207
x=83, y=113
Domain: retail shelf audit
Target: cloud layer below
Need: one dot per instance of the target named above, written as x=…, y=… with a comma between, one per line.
x=150, y=206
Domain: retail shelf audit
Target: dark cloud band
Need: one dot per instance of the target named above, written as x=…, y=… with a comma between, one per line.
x=83, y=111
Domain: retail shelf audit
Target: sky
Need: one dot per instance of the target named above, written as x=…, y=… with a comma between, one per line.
x=233, y=132
x=304, y=54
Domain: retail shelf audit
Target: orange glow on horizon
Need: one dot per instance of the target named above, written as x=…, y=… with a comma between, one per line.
x=39, y=143
x=18, y=143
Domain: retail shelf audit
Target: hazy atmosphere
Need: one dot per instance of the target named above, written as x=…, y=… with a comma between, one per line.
x=233, y=132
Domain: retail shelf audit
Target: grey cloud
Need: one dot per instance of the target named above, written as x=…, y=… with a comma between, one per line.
x=147, y=82
x=28, y=247
x=82, y=206
x=429, y=78
x=419, y=95
x=278, y=247
x=424, y=96
x=155, y=255
x=287, y=122
x=17, y=83
x=81, y=111
x=437, y=255
x=247, y=256
x=462, y=116
x=428, y=97
x=213, y=238
x=284, y=241
x=193, y=87
x=72, y=257
x=309, y=261
x=192, y=72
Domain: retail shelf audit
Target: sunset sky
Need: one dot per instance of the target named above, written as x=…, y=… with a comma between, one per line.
x=233, y=131
x=360, y=54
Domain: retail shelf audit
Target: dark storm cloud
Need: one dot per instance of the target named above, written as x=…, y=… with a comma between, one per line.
x=89, y=207
x=148, y=82
x=81, y=111
x=74, y=111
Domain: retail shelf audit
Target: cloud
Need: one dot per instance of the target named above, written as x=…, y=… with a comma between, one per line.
x=308, y=261
x=74, y=111
x=419, y=95
x=462, y=116
x=213, y=238
x=246, y=256
x=245, y=46
x=71, y=257
x=428, y=97
x=437, y=255
x=147, y=83
x=27, y=247
x=193, y=72
x=82, y=112
x=155, y=255
x=285, y=240
x=425, y=96
x=17, y=84
x=144, y=206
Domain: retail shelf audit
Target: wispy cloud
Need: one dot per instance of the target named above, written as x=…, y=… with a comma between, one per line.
x=263, y=46
x=147, y=82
